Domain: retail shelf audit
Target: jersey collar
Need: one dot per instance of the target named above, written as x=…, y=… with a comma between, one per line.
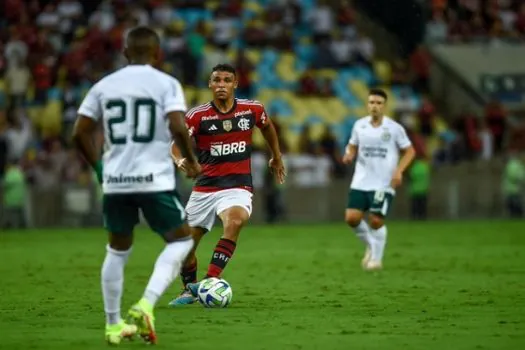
x=230, y=111
x=378, y=126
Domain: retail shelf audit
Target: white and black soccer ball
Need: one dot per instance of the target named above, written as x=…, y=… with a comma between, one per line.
x=215, y=292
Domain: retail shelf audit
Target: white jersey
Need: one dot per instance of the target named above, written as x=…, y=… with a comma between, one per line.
x=377, y=154
x=132, y=104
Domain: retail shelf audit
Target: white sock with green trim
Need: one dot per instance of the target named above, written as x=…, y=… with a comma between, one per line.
x=378, y=243
x=112, y=280
x=362, y=231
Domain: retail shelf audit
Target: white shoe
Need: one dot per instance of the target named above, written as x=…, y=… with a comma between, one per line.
x=372, y=265
x=366, y=257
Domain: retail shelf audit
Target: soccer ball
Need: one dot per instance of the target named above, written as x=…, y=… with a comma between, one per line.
x=215, y=292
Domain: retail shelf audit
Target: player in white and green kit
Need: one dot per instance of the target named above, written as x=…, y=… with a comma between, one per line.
x=141, y=110
x=376, y=144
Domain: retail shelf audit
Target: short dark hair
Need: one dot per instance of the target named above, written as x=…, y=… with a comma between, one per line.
x=142, y=33
x=378, y=92
x=224, y=67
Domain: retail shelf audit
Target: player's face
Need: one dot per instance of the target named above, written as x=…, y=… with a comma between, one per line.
x=376, y=105
x=222, y=84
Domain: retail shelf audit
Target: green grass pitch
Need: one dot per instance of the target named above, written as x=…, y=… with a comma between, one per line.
x=445, y=286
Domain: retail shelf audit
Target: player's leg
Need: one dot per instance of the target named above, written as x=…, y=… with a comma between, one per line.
x=200, y=211
x=357, y=205
x=120, y=217
x=189, y=270
x=234, y=207
x=165, y=215
x=379, y=209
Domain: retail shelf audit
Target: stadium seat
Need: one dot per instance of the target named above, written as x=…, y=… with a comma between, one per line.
x=51, y=119
x=203, y=96
x=383, y=72
x=253, y=55
x=359, y=88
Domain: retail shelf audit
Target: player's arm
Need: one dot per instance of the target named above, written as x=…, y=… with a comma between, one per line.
x=84, y=131
x=84, y=139
x=350, y=153
x=407, y=156
x=351, y=148
x=270, y=136
x=176, y=155
x=174, y=107
x=182, y=148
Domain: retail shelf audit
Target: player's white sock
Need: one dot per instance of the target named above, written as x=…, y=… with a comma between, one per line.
x=362, y=231
x=167, y=268
x=378, y=242
x=112, y=278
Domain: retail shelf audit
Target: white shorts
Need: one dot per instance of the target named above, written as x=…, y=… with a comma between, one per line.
x=203, y=207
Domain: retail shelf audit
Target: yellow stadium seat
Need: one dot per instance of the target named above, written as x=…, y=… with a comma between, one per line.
x=285, y=68
x=316, y=131
x=211, y=4
x=440, y=125
x=287, y=95
x=33, y=114
x=432, y=144
x=51, y=122
x=253, y=55
x=231, y=54
x=61, y=76
x=383, y=71
x=253, y=6
x=360, y=111
x=258, y=139
x=292, y=140
x=177, y=24
x=254, y=76
x=359, y=88
x=326, y=73
x=2, y=85
x=189, y=92
x=203, y=96
x=286, y=74
x=331, y=111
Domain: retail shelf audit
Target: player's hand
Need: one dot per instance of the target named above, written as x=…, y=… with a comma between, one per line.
x=277, y=167
x=397, y=179
x=348, y=158
x=181, y=164
x=192, y=169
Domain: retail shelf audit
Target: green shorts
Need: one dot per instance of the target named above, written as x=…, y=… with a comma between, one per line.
x=375, y=202
x=162, y=210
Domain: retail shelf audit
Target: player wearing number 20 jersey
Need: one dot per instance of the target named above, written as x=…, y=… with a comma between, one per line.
x=141, y=110
x=133, y=103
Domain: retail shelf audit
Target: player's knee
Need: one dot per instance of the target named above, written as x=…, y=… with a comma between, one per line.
x=375, y=222
x=353, y=219
x=232, y=227
x=120, y=242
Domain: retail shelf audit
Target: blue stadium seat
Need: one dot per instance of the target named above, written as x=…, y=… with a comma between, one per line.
x=365, y=74
x=279, y=107
x=270, y=56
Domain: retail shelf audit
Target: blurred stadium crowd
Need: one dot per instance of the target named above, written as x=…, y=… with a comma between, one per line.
x=306, y=60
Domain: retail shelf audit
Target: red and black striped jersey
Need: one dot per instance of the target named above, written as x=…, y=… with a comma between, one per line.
x=224, y=143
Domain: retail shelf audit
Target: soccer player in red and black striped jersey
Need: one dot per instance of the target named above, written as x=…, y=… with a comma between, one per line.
x=222, y=130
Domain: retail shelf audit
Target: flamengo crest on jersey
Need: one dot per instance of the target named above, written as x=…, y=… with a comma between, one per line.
x=224, y=143
x=132, y=104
